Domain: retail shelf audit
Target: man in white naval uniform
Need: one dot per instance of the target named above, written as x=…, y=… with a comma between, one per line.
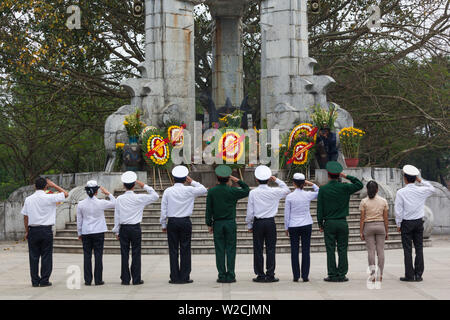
x=176, y=207
x=39, y=212
x=127, y=225
x=261, y=211
x=409, y=213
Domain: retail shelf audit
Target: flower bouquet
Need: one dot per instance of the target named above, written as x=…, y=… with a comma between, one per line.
x=323, y=118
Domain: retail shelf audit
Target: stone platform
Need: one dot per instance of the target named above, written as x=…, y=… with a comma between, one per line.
x=15, y=282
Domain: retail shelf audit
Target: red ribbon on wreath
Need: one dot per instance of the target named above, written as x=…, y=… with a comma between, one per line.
x=305, y=148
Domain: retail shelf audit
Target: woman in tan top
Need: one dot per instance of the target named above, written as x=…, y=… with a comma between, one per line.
x=374, y=227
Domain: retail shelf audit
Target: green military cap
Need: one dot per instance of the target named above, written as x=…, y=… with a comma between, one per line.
x=334, y=167
x=223, y=171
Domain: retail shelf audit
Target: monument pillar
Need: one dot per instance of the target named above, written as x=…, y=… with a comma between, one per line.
x=169, y=61
x=228, y=69
x=288, y=84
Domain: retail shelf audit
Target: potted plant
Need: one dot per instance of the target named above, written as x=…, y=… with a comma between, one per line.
x=351, y=140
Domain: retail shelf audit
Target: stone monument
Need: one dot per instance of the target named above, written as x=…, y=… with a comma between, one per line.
x=288, y=82
x=166, y=89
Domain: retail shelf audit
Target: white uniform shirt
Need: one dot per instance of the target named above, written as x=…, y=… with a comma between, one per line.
x=178, y=201
x=297, y=208
x=263, y=201
x=40, y=208
x=410, y=200
x=130, y=207
x=91, y=215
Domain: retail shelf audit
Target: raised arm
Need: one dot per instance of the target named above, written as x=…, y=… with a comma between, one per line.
x=105, y=204
x=282, y=190
x=355, y=184
x=146, y=199
x=58, y=188
x=242, y=192
x=197, y=188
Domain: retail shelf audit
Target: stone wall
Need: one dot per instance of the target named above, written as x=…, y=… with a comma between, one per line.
x=11, y=220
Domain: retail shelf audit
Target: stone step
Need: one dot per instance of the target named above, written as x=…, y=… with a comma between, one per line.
x=199, y=233
x=240, y=249
x=239, y=219
x=207, y=239
x=242, y=205
x=201, y=226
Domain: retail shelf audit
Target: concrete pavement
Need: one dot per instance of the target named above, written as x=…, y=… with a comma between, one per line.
x=15, y=280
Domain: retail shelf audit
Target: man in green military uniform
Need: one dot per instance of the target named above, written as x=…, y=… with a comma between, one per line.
x=221, y=219
x=332, y=210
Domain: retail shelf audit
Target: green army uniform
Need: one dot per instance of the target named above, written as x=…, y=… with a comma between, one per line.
x=332, y=210
x=221, y=215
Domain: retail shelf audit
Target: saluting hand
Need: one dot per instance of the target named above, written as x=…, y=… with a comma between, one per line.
x=234, y=179
x=140, y=183
x=308, y=183
x=273, y=178
x=189, y=180
x=104, y=191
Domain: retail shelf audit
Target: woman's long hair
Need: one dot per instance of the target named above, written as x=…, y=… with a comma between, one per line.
x=372, y=189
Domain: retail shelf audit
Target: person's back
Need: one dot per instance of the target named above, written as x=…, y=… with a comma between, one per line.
x=335, y=197
x=332, y=211
x=409, y=214
x=222, y=200
x=410, y=200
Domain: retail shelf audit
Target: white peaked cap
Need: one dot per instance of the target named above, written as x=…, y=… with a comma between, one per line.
x=263, y=173
x=411, y=170
x=180, y=172
x=299, y=176
x=129, y=177
x=91, y=184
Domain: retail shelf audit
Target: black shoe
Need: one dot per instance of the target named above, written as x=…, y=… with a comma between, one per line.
x=231, y=280
x=188, y=281
x=418, y=278
x=272, y=279
x=328, y=279
x=221, y=281
x=406, y=279
x=87, y=283
x=100, y=283
x=138, y=283
x=259, y=279
x=35, y=285
x=48, y=284
x=345, y=279
x=306, y=280
x=295, y=280
x=175, y=282
x=125, y=283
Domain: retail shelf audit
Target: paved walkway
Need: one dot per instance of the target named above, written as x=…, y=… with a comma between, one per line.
x=15, y=282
